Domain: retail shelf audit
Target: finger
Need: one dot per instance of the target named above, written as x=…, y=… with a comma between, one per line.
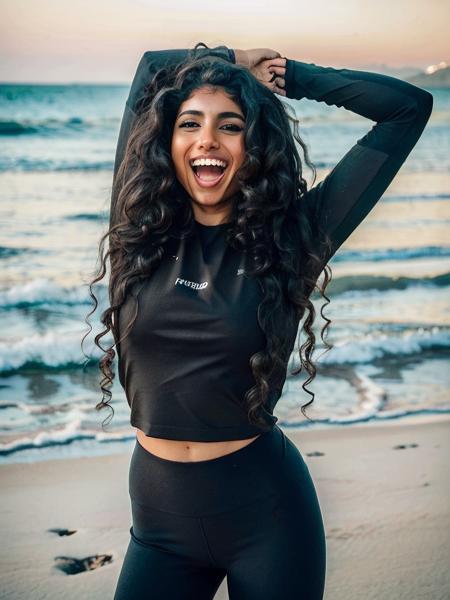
x=278, y=81
x=278, y=70
x=276, y=62
x=277, y=87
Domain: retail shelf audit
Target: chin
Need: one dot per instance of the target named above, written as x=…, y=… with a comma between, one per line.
x=209, y=200
x=204, y=197
x=210, y=197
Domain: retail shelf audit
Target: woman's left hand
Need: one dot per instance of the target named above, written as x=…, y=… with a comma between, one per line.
x=271, y=73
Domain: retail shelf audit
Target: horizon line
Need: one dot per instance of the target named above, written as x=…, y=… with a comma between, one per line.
x=420, y=70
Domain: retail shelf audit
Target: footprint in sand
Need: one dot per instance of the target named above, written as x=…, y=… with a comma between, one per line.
x=62, y=532
x=73, y=566
x=404, y=446
x=316, y=453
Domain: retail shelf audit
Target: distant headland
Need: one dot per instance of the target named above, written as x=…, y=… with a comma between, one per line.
x=434, y=76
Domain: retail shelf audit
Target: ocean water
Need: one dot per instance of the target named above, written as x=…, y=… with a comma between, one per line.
x=389, y=294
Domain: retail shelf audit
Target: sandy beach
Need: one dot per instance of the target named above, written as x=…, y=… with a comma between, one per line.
x=383, y=489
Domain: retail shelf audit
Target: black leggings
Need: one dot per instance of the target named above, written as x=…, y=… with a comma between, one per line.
x=251, y=515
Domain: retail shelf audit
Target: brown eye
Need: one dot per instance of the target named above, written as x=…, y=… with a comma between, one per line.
x=186, y=123
x=235, y=127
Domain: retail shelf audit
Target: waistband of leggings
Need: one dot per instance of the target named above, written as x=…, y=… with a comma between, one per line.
x=199, y=488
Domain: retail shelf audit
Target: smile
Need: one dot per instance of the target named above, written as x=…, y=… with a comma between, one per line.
x=208, y=175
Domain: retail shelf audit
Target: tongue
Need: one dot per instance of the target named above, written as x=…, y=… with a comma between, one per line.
x=209, y=172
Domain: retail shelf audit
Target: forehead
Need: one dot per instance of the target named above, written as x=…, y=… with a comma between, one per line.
x=212, y=99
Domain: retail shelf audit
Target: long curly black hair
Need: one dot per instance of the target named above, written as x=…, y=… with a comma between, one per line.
x=271, y=220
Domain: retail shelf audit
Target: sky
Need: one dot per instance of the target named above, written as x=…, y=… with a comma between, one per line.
x=103, y=40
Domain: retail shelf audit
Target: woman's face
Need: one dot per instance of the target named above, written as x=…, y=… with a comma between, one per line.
x=209, y=124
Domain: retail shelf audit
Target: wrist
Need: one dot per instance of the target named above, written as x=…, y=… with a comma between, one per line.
x=241, y=57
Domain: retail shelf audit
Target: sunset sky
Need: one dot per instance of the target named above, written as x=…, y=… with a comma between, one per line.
x=102, y=40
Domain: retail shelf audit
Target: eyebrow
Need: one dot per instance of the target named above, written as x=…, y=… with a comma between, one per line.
x=222, y=115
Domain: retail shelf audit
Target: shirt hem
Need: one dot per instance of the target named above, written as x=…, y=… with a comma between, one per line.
x=207, y=435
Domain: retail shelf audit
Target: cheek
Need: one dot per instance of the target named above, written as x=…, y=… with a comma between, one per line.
x=177, y=152
x=241, y=152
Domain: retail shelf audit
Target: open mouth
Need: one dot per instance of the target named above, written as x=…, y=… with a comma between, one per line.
x=208, y=175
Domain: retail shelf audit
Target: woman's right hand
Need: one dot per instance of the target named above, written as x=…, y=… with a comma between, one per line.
x=263, y=63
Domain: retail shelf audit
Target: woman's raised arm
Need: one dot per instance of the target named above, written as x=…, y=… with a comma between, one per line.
x=401, y=110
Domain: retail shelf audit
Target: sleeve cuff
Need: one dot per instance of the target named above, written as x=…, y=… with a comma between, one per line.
x=289, y=77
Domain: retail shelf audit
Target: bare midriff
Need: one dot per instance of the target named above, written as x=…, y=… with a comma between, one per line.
x=186, y=451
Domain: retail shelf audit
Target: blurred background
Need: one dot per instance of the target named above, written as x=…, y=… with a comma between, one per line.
x=65, y=73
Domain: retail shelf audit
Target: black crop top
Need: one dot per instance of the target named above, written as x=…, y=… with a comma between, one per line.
x=184, y=365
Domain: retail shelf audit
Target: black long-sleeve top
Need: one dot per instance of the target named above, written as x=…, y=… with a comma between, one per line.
x=185, y=364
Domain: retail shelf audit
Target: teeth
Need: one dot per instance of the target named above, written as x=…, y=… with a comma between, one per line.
x=208, y=161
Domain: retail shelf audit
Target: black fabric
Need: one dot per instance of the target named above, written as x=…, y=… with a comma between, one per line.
x=401, y=110
x=252, y=515
x=185, y=362
x=185, y=365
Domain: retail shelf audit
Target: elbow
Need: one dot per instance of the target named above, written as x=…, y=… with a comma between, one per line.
x=424, y=105
x=418, y=110
x=422, y=111
x=428, y=103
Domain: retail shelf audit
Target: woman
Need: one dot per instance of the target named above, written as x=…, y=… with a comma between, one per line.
x=215, y=246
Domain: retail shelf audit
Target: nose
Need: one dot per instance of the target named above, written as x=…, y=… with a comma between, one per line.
x=207, y=138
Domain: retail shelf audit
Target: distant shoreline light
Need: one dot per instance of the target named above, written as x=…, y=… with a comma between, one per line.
x=433, y=68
